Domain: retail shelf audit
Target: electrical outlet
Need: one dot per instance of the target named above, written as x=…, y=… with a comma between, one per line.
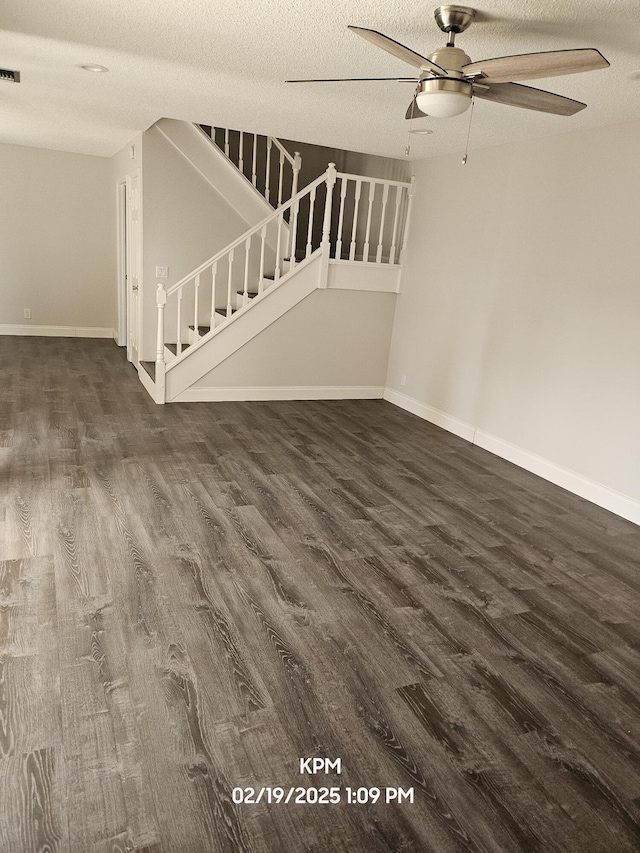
x=27, y=313
x=162, y=272
x=403, y=379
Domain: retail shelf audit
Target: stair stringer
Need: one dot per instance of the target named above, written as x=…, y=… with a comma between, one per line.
x=219, y=172
x=245, y=325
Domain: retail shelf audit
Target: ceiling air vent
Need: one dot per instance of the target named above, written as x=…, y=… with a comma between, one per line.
x=9, y=76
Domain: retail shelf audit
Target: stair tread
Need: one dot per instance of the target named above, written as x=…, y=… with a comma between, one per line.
x=250, y=293
x=174, y=348
x=150, y=368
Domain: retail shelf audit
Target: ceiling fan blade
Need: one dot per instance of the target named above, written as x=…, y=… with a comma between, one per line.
x=414, y=111
x=355, y=79
x=532, y=66
x=516, y=95
x=398, y=50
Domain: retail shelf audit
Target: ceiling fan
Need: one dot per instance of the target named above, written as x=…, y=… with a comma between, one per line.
x=449, y=79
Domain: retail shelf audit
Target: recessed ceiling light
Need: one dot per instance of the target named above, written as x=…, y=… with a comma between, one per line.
x=422, y=131
x=96, y=68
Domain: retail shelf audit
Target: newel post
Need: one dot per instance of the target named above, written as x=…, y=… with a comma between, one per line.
x=326, y=225
x=297, y=165
x=161, y=301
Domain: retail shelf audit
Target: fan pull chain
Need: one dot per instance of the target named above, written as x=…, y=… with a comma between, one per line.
x=466, y=148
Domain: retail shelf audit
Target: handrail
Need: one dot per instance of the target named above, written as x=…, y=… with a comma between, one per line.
x=281, y=148
x=275, y=214
x=371, y=180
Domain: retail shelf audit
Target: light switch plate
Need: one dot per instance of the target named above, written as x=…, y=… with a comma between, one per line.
x=162, y=272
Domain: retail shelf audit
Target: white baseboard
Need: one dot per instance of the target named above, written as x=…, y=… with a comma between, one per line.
x=57, y=331
x=338, y=392
x=427, y=413
x=597, y=493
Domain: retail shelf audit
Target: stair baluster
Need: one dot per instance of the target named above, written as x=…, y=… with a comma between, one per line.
x=296, y=165
x=279, y=245
x=245, y=290
x=358, y=190
x=268, y=172
x=383, y=216
x=214, y=273
x=263, y=238
x=312, y=205
x=196, y=325
x=229, y=283
x=254, y=177
x=372, y=195
x=343, y=194
x=293, y=224
x=396, y=221
x=280, y=177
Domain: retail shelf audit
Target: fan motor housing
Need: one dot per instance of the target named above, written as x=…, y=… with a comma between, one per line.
x=450, y=58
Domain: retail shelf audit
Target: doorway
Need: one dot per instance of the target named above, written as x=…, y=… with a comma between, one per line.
x=129, y=243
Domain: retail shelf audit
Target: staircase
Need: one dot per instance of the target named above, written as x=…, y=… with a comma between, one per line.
x=342, y=231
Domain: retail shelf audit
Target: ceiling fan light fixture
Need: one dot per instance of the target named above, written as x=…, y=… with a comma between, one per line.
x=444, y=97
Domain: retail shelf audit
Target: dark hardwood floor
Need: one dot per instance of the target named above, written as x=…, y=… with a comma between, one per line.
x=195, y=597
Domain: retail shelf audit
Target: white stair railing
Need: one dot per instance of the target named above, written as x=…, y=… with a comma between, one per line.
x=373, y=217
x=263, y=160
x=365, y=219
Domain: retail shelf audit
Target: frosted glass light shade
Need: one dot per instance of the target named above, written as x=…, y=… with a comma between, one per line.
x=444, y=97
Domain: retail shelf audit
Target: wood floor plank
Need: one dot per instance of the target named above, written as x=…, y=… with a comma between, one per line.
x=195, y=597
x=32, y=809
x=29, y=689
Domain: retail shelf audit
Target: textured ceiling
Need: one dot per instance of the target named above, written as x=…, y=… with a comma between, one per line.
x=225, y=63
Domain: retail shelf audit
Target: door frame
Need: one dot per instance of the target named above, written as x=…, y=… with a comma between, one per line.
x=122, y=224
x=134, y=352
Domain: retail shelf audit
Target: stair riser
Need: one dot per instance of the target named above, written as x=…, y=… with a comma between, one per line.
x=193, y=338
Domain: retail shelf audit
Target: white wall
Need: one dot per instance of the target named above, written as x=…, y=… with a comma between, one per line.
x=56, y=242
x=185, y=222
x=519, y=309
x=332, y=339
